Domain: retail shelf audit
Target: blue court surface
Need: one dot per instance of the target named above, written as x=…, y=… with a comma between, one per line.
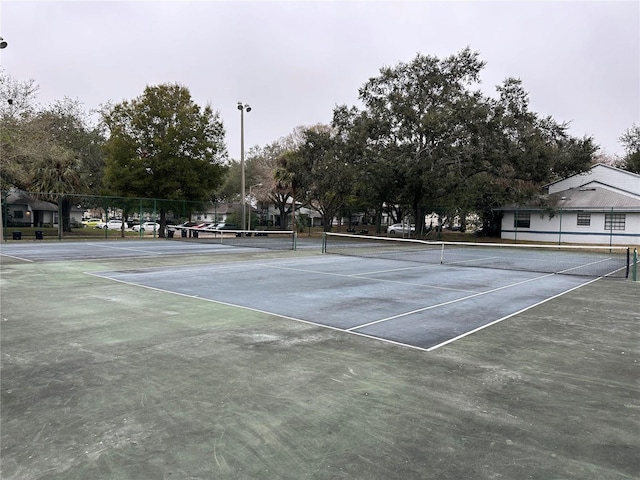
x=416, y=305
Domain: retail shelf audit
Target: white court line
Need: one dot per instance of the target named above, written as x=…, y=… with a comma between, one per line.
x=592, y=263
x=482, y=327
x=196, y=267
x=461, y=299
x=17, y=258
x=388, y=270
x=472, y=260
x=361, y=275
x=262, y=263
x=137, y=250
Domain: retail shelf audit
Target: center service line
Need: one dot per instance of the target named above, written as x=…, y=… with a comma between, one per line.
x=448, y=303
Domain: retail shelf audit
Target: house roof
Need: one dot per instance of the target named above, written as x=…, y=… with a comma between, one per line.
x=603, y=188
x=622, y=180
x=594, y=196
x=22, y=198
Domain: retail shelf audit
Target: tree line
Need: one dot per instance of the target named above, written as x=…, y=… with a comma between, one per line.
x=424, y=139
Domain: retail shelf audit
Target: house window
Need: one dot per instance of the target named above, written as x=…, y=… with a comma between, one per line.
x=18, y=214
x=522, y=220
x=584, y=219
x=614, y=221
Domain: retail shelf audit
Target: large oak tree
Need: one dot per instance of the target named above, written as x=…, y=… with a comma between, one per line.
x=162, y=145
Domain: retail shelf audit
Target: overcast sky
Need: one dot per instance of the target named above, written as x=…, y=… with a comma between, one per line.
x=294, y=61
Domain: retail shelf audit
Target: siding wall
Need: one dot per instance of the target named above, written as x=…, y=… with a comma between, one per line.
x=563, y=228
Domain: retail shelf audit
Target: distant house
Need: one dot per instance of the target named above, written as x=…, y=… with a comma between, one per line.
x=22, y=210
x=601, y=206
x=214, y=213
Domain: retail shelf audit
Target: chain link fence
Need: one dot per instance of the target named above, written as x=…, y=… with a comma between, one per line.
x=38, y=215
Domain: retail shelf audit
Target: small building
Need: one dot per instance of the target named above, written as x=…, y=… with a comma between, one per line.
x=601, y=207
x=23, y=210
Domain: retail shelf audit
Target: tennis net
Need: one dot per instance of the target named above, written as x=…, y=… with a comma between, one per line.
x=591, y=261
x=269, y=239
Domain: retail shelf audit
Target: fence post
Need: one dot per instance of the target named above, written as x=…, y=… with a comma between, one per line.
x=155, y=218
x=610, y=226
x=60, y=219
x=3, y=215
x=560, y=229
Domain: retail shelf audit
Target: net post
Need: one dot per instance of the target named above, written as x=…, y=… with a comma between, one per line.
x=295, y=239
x=635, y=265
x=324, y=242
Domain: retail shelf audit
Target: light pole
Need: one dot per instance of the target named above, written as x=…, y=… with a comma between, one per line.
x=242, y=107
x=249, y=221
x=3, y=203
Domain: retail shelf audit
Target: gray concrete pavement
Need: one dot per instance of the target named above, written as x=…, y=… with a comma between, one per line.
x=105, y=380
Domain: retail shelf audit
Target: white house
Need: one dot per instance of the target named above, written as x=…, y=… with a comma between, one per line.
x=25, y=210
x=601, y=206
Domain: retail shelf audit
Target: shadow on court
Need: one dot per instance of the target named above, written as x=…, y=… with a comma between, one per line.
x=105, y=380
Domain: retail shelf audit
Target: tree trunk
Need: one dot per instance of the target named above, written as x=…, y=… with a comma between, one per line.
x=66, y=214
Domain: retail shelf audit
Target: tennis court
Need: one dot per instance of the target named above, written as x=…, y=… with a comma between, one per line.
x=152, y=359
x=416, y=305
x=400, y=299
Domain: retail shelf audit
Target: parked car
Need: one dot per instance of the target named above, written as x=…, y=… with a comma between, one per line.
x=182, y=225
x=400, y=228
x=147, y=227
x=91, y=222
x=227, y=226
x=111, y=224
x=211, y=226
